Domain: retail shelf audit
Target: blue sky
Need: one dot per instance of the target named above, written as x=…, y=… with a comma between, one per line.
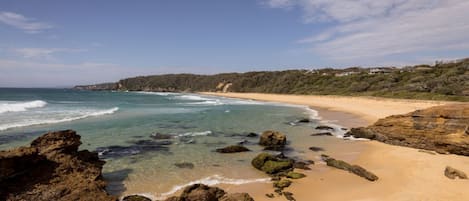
x=63, y=43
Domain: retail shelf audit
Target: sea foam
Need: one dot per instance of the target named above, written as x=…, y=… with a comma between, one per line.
x=81, y=115
x=21, y=106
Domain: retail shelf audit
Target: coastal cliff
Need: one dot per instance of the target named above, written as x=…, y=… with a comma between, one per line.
x=444, y=129
x=442, y=81
x=52, y=168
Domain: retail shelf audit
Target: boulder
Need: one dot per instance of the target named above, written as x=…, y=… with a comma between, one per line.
x=232, y=149
x=355, y=169
x=441, y=129
x=295, y=175
x=273, y=139
x=236, y=197
x=135, y=198
x=271, y=164
x=52, y=168
x=452, y=173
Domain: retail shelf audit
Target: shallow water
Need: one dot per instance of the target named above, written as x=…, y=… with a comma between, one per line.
x=118, y=125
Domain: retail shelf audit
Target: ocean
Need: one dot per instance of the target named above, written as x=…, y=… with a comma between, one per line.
x=119, y=126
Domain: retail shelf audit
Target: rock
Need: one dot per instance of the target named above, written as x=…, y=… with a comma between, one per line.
x=270, y=195
x=184, y=165
x=355, y=169
x=271, y=164
x=453, y=173
x=427, y=152
x=322, y=134
x=295, y=175
x=135, y=198
x=289, y=196
x=304, y=120
x=316, y=149
x=302, y=165
x=252, y=135
x=273, y=139
x=232, y=149
x=283, y=183
x=324, y=128
x=159, y=136
x=136, y=147
x=199, y=192
x=441, y=129
x=52, y=168
x=236, y=197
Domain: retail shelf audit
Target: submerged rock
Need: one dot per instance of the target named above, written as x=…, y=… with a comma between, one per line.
x=271, y=164
x=252, y=135
x=355, y=169
x=136, y=147
x=184, y=165
x=324, y=128
x=322, y=134
x=136, y=198
x=159, y=136
x=52, y=168
x=452, y=173
x=304, y=120
x=441, y=129
x=273, y=139
x=316, y=149
x=232, y=149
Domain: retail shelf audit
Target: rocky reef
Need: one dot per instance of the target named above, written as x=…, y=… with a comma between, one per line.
x=52, y=168
x=444, y=129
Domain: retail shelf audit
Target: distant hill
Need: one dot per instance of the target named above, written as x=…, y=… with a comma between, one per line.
x=442, y=81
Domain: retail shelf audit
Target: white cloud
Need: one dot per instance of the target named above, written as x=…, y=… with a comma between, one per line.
x=376, y=30
x=43, y=53
x=21, y=22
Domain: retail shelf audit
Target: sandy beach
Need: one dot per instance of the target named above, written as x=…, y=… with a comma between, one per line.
x=404, y=173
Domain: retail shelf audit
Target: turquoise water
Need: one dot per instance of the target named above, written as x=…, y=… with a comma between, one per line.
x=118, y=125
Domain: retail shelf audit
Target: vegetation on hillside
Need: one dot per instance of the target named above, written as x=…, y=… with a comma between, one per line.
x=442, y=81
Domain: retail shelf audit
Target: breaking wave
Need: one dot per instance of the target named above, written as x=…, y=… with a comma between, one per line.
x=21, y=106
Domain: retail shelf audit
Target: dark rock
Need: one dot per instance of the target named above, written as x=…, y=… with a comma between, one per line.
x=324, y=128
x=272, y=139
x=289, y=196
x=355, y=169
x=304, y=120
x=295, y=175
x=252, y=135
x=135, y=198
x=302, y=165
x=283, y=183
x=316, y=149
x=159, y=136
x=137, y=147
x=270, y=195
x=52, y=168
x=199, y=192
x=440, y=129
x=232, y=149
x=322, y=134
x=452, y=173
x=236, y=197
x=184, y=165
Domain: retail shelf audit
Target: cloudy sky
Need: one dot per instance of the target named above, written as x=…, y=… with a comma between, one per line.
x=63, y=43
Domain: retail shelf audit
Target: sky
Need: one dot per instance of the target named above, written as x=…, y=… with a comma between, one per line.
x=56, y=43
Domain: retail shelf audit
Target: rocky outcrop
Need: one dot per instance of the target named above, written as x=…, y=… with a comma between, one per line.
x=355, y=169
x=273, y=140
x=452, y=173
x=442, y=129
x=271, y=164
x=201, y=192
x=232, y=149
x=52, y=168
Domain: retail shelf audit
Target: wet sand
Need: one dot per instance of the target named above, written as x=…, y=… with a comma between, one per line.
x=404, y=173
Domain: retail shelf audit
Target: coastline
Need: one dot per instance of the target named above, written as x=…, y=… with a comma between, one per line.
x=405, y=173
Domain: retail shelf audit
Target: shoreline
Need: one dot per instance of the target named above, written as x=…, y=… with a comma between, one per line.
x=404, y=173
x=368, y=108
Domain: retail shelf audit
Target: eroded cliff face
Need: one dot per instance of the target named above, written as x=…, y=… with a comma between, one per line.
x=443, y=129
x=52, y=168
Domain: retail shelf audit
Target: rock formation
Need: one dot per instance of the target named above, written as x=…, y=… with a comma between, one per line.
x=452, y=173
x=355, y=169
x=52, y=168
x=442, y=129
x=201, y=192
x=273, y=140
